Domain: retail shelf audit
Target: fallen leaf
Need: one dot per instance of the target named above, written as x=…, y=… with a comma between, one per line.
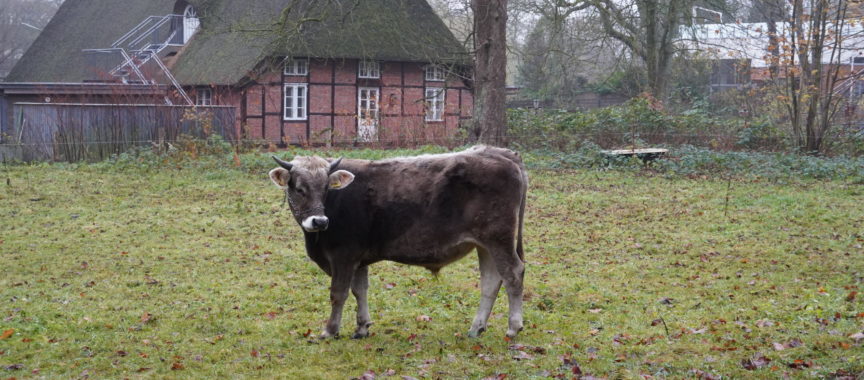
x=755, y=362
x=142, y=369
x=254, y=353
x=568, y=363
x=843, y=374
x=656, y=322
x=800, y=364
x=424, y=318
x=14, y=367
x=595, y=311
x=702, y=375
x=857, y=336
x=779, y=347
x=6, y=334
x=522, y=355
x=177, y=366
x=851, y=296
x=146, y=317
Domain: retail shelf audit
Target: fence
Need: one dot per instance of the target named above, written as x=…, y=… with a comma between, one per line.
x=76, y=132
x=584, y=101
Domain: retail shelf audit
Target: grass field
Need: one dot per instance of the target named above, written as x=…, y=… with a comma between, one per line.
x=199, y=273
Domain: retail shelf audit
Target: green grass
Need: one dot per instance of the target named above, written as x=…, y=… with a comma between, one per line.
x=123, y=273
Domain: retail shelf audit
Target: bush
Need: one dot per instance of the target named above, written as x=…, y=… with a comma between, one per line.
x=696, y=161
x=638, y=122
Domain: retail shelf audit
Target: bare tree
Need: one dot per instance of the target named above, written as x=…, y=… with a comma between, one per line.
x=490, y=69
x=649, y=29
x=810, y=78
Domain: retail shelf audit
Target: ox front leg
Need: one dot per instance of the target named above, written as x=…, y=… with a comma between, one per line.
x=359, y=287
x=490, y=283
x=339, y=286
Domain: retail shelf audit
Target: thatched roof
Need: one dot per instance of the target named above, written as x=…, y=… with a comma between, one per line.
x=56, y=54
x=237, y=36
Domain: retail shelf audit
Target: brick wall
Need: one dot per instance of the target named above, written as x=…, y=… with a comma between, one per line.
x=333, y=87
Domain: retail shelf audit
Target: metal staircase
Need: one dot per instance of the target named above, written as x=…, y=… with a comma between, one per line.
x=142, y=45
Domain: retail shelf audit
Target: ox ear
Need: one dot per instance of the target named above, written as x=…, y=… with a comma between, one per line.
x=280, y=177
x=340, y=179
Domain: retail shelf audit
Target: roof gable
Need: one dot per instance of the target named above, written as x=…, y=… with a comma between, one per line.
x=56, y=54
x=237, y=36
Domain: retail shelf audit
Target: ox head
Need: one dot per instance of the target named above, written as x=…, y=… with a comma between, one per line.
x=306, y=182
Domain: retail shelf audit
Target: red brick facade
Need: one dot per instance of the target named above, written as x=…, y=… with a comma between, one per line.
x=332, y=105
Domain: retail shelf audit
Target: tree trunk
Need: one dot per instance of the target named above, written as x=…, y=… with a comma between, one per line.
x=490, y=68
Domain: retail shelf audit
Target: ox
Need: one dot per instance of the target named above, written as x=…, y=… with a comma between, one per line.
x=428, y=210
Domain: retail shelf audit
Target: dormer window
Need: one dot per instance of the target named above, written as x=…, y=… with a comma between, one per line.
x=191, y=23
x=369, y=69
x=436, y=73
x=296, y=67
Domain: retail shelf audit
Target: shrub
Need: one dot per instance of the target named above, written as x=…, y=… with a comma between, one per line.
x=638, y=122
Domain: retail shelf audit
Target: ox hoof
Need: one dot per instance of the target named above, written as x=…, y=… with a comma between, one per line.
x=360, y=335
x=511, y=333
x=327, y=335
x=476, y=333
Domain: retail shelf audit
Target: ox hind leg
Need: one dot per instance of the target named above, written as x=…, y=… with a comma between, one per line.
x=512, y=271
x=490, y=283
x=359, y=287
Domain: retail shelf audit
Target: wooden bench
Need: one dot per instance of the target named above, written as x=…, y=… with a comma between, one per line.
x=646, y=155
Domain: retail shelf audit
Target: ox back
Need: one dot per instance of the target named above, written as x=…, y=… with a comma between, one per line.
x=427, y=210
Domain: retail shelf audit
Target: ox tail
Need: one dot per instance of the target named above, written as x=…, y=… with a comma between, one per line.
x=519, y=249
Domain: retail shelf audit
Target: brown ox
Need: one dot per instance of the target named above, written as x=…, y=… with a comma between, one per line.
x=428, y=210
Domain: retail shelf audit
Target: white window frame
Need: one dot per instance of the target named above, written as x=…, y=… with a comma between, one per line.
x=295, y=104
x=204, y=96
x=298, y=67
x=191, y=23
x=436, y=73
x=369, y=69
x=435, y=98
x=373, y=104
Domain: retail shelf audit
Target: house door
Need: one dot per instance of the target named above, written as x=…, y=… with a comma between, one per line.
x=367, y=114
x=190, y=23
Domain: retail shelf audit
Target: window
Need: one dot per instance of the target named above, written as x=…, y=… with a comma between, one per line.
x=191, y=23
x=299, y=67
x=295, y=101
x=436, y=73
x=369, y=69
x=435, y=104
x=204, y=96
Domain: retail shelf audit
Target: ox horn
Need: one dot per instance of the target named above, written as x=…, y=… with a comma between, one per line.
x=285, y=164
x=335, y=165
